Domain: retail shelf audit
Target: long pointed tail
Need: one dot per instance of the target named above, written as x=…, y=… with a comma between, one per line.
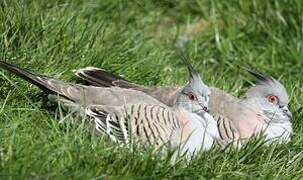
x=50, y=85
x=35, y=79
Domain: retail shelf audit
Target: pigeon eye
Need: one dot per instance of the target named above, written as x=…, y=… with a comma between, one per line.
x=191, y=97
x=272, y=99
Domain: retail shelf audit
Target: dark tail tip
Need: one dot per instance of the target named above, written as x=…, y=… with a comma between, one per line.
x=24, y=74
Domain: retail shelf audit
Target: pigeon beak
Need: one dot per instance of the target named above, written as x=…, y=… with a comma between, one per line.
x=204, y=108
x=287, y=112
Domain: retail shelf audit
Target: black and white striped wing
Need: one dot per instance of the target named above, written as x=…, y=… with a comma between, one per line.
x=150, y=124
x=108, y=123
x=153, y=124
x=227, y=131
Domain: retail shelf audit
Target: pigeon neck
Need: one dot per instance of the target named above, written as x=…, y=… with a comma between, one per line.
x=278, y=132
x=200, y=133
x=201, y=121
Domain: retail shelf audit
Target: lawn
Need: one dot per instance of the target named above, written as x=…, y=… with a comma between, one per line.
x=142, y=40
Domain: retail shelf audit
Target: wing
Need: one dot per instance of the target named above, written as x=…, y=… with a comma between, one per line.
x=149, y=124
x=107, y=123
x=102, y=78
x=228, y=133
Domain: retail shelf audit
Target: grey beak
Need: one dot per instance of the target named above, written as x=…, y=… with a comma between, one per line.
x=204, y=107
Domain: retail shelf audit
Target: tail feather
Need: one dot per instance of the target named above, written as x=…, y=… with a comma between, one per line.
x=100, y=77
x=35, y=79
x=50, y=85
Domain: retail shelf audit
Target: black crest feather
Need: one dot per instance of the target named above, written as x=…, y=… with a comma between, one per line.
x=189, y=66
x=259, y=76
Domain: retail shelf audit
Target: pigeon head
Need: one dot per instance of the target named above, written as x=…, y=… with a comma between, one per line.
x=194, y=97
x=272, y=97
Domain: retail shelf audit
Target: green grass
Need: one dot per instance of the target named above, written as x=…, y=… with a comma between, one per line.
x=141, y=40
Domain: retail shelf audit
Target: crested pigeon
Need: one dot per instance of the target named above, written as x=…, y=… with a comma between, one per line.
x=122, y=113
x=264, y=110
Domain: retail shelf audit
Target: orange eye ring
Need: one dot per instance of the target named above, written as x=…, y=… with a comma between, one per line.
x=272, y=99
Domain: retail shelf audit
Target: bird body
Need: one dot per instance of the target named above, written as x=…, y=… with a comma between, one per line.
x=122, y=113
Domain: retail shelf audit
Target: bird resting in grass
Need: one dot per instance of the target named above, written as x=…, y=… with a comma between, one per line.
x=127, y=114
